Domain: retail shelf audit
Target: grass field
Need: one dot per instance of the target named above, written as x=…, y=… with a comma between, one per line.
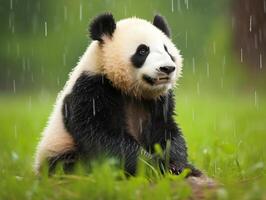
x=226, y=137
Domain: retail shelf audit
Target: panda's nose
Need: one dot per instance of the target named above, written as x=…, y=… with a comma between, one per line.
x=167, y=69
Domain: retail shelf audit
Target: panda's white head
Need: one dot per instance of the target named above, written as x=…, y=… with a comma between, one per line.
x=136, y=55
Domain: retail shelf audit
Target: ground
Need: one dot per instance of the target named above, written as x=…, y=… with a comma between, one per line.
x=226, y=137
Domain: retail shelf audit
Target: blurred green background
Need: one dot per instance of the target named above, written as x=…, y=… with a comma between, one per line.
x=220, y=98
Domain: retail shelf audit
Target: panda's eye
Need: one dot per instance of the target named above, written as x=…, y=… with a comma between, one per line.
x=143, y=50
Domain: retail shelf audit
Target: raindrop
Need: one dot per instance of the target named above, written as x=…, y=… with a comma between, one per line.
x=11, y=4
x=193, y=115
x=178, y=5
x=241, y=55
x=102, y=80
x=93, y=107
x=193, y=65
x=45, y=29
x=198, y=88
x=224, y=62
x=66, y=110
x=32, y=77
x=172, y=6
x=80, y=12
x=250, y=23
x=260, y=61
x=14, y=86
x=208, y=70
x=65, y=13
x=125, y=11
x=186, y=2
x=222, y=83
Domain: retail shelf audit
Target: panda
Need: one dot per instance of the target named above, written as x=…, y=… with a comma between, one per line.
x=119, y=100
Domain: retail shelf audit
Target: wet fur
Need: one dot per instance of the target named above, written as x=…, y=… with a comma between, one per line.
x=97, y=112
x=96, y=116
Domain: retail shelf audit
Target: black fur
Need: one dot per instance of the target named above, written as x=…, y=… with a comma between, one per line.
x=94, y=120
x=138, y=59
x=94, y=114
x=172, y=57
x=68, y=160
x=161, y=24
x=102, y=25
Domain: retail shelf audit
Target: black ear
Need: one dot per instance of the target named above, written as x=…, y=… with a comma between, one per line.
x=161, y=24
x=101, y=25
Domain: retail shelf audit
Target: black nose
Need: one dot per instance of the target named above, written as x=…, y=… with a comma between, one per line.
x=167, y=69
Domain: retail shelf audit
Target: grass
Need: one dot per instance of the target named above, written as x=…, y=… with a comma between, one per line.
x=226, y=137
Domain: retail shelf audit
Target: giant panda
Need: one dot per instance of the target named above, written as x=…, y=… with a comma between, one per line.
x=119, y=99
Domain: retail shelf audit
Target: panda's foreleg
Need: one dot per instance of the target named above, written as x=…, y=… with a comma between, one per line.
x=93, y=115
x=112, y=144
x=68, y=160
x=178, y=158
x=178, y=151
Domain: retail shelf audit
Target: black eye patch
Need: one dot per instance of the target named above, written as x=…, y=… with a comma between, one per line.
x=172, y=57
x=140, y=55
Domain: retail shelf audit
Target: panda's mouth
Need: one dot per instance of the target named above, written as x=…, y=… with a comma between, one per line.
x=156, y=81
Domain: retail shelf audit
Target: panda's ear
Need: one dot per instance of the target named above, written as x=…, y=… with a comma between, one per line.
x=160, y=22
x=102, y=25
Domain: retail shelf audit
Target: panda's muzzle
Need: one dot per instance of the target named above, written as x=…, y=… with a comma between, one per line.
x=160, y=79
x=163, y=75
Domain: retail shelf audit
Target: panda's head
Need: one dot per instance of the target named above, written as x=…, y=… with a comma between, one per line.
x=136, y=55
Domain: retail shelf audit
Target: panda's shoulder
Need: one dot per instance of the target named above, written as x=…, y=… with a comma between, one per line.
x=88, y=83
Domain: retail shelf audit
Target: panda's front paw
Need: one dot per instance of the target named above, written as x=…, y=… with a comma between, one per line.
x=173, y=169
x=178, y=169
